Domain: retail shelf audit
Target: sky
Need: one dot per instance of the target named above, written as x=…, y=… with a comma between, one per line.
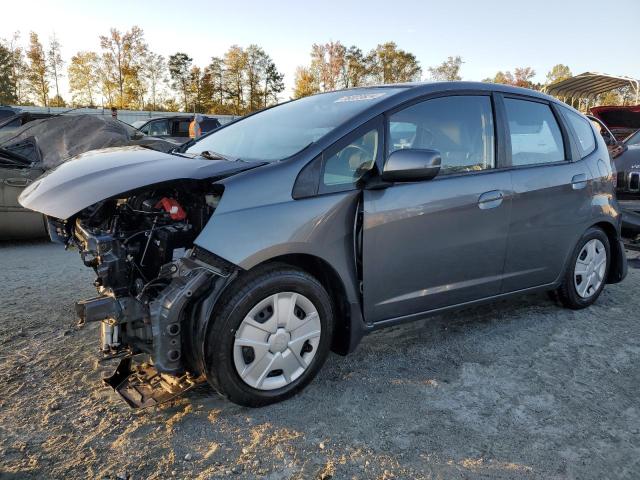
x=586, y=35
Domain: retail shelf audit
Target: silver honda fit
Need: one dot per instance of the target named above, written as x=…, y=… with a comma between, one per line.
x=244, y=257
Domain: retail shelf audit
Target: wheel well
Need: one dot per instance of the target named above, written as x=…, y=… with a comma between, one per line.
x=615, y=270
x=334, y=286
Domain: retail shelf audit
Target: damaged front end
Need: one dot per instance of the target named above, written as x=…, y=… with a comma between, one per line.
x=149, y=279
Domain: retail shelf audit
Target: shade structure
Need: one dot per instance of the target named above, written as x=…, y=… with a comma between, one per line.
x=588, y=85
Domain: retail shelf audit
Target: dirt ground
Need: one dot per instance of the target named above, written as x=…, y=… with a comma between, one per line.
x=518, y=389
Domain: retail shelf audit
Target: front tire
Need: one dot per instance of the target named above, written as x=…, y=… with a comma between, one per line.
x=269, y=336
x=587, y=271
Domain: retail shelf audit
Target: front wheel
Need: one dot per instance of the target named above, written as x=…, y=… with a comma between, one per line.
x=587, y=271
x=270, y=336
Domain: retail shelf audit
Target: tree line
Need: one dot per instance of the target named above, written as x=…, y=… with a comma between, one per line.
x=125, y=73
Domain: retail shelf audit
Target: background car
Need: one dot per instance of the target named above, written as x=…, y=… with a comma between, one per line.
x=28, y=151
x=628, y=184
x=174, y=128
x=621, y=120
x=11, y=123
x=615, y=146
x=17, y=222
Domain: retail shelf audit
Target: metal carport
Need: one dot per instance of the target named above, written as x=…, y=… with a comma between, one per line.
x=589, y=85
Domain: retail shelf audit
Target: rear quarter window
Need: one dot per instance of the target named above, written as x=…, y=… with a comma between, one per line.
x=584, y=133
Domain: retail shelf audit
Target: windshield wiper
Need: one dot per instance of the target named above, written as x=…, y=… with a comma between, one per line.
x=211, y=155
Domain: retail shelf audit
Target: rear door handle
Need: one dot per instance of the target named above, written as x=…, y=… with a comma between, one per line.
x=17, y=182
x=579, y=181
x=490, y=199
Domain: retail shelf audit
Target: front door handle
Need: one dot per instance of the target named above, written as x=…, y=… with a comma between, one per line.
x=579, y=181
x=490, y=199
x=17, y=182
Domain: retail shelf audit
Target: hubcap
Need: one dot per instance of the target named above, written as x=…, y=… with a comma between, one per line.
x=589, y=271
x=276, y=341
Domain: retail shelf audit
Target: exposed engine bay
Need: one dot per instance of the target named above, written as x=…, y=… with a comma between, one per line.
x=147, y=273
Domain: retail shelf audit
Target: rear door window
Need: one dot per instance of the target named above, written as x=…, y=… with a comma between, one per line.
x=534, y=132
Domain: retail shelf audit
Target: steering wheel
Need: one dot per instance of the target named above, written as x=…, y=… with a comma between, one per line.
x=358, y=149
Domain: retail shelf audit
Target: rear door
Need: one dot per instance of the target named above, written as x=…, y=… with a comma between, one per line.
x=552, y=193
x=438, y=243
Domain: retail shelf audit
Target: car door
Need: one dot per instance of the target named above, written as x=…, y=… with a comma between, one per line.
x=442, y=242
x=551, y=205
x=17, y=222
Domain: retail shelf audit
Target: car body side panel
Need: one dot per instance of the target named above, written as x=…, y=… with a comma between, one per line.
x=320, y=226
x=430, y=244
x=548, y=217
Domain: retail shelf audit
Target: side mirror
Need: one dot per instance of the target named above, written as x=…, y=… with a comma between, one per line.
x=411, y=165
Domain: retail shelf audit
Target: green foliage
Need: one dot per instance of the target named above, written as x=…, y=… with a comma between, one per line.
x=334, y=66
x=449, y=70
x=521, y=77
x=180, y=72
x=55, y=63
x=37, y=73
x=389, y=64
x=122, y=63
x=83, y=78
x=306, y=83
x=558, y=73
x=7, y=80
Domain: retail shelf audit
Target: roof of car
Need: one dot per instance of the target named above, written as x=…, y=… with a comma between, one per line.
x=433, y=87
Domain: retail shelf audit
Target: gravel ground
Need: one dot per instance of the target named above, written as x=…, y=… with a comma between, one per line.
x=518, y=389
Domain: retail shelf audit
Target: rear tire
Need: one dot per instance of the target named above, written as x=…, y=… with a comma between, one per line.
x=269, y=336
x=587, y=271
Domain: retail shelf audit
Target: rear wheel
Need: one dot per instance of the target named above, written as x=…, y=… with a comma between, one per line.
x=270, y=336
x=587, y=271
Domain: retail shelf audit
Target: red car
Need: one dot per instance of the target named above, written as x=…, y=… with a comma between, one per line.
x=622, y=121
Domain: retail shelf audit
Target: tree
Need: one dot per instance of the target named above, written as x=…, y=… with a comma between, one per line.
x=123, y=54
x=305, y=83
x=449, y=70
x=611, y=97
x=54, y=58
x=557, y=73
x=273, y=83
x=256, y=67
x=37, y=71
x=7, y=80
x=216, y=72
x=199, y=88
x=355, y=69
x=523, y=77
x=154, y=70
x=328, y=63
x=389, y=64
x=83, y=78
x=235, y=61
x=180, y=73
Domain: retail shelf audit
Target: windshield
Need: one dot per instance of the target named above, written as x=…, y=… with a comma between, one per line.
x=633, y=139
x=284, y=130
